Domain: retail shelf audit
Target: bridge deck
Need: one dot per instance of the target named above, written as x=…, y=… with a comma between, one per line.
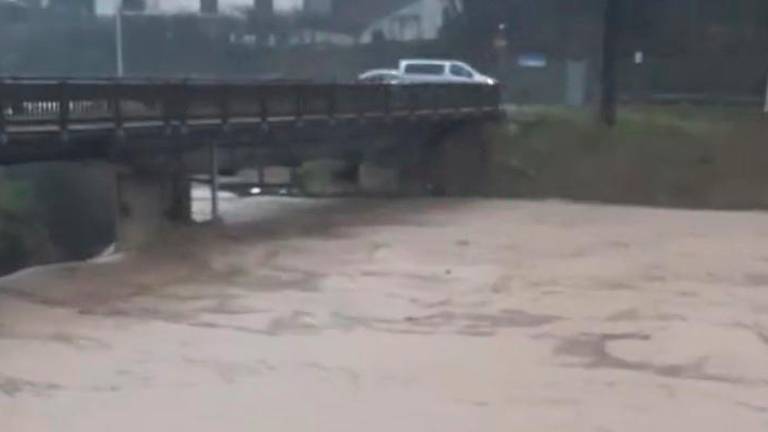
x=30, y=106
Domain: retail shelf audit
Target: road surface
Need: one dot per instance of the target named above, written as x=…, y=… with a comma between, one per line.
x=414, y=315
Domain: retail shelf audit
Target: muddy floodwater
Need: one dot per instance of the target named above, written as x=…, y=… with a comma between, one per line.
x=402, y=315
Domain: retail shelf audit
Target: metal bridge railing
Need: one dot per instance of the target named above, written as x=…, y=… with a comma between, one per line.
x=26, y=104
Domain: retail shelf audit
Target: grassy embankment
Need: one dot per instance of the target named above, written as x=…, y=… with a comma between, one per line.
x=667, y=156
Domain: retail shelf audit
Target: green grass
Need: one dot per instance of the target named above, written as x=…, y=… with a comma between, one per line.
x=672, y=156
x=15, y=198
x=687, y=118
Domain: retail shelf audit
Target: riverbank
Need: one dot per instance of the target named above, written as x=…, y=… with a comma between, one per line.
x=691, y=157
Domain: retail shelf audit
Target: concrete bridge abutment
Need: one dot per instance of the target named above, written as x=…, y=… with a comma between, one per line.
x=150, y=204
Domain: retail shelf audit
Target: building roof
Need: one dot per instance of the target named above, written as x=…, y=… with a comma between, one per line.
x=11, y=10
x=12, y=3
x=354, y=16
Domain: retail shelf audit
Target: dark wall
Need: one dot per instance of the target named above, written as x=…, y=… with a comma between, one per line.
x=77, y=205
x=55, y=212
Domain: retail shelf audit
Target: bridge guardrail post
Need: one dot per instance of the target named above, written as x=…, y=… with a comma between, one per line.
x=360, y=106
x=184, y=101
x=435, y=93
x=459, y=98
x=299, y=107
x=225, y=108
x=264, y=109
x=497, y=97
x=166, y=107
x=412, y=99
x=117, y=110
x=4, y=106
x=332, y=103
x=388, y=102
x=213, y=154
x=478, y=101
x=174, y=108
x=64, y=111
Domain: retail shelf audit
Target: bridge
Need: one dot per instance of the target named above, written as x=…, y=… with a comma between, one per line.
x=42, y=119
x=180, y=129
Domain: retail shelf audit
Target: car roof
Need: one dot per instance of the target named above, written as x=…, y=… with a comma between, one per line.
x=429, y=61
x=380, y=72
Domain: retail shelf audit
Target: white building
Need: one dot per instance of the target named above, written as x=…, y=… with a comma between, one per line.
x=363, y=21
x=108, y=7
x=419, y=20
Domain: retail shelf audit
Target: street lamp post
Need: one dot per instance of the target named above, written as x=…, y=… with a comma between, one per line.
x=120, y=66
x=500, y=44
x=765, y=107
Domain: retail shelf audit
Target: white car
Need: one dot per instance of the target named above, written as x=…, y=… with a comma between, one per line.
x=381, y=76
x=441, y=71
x=418, y=71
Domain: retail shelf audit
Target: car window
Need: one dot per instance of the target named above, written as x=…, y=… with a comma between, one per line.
x=458, y=70
x=425, y=69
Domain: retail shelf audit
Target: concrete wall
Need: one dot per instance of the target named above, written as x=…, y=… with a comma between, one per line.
x=427, y=21
x=68, y=212
x=74, y=202
x=375, y=179
x=74, y=211
x=149, y=204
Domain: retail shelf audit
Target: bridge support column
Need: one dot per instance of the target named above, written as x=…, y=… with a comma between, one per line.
x=214, y=175
x=179, y=209
x=150, y=205
x=377, y=179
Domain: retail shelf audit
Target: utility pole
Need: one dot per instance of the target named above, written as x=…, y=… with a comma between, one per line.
x=608, y=97
x=693, y=21
x=214, y=178
x=765, y=107
x=120, y=66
